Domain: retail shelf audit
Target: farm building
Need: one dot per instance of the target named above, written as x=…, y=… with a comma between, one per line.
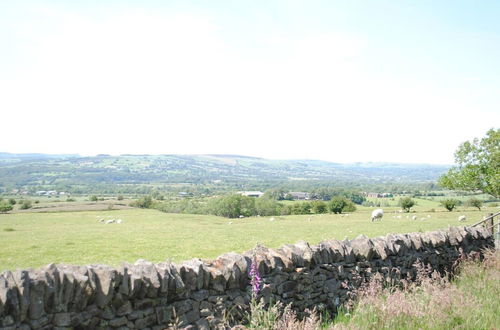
x=299, y=195
x=251, y=193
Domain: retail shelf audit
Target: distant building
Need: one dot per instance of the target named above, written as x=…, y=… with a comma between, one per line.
x=251, y=193
x=300, y=195
x=378, y=195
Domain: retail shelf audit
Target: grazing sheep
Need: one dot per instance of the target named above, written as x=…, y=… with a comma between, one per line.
x=428, y=215
x=241, y=216
x=272, y=219
x=414, y=217
x=119, y=221
x=399, y=217
x=230, y=223
x=110, y=221
x=309, y=219
x=377, y=214
x=462, y=218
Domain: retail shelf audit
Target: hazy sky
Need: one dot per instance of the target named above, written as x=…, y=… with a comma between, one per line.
x=403, y=81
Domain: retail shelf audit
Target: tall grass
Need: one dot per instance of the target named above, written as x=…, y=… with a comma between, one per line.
x=468, y=301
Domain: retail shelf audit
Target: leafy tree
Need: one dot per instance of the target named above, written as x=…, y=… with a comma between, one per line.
x=406, y=203
x=233, y=206
x=12, y=201
x=4, y=207
x=450, y=204
x=475, y=202
x=93, y=198
x=319, y=207
x=478, y=166
x=339, y=204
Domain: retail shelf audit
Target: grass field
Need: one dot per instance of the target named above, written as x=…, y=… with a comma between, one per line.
x=36, y=239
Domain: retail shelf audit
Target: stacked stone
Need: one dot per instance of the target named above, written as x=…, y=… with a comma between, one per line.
x=208, y=294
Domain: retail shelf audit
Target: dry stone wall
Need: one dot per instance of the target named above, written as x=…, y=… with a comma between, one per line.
x=200, y=294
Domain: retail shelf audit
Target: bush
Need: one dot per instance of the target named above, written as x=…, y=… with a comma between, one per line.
x=4, y=207
x=93, y=198
x=319, y=207
x=120, y=197
x=233, y=206
x=301, y=208
x=475, y=202
x=267, y=206
x=25, y=204
x=12, y=201
x=340, y=204
x=144, y=202
x=450, y=204
x=406, y=203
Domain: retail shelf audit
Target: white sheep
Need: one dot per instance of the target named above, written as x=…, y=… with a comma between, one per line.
x=241, y=216
x=272, y=219
x=462, y=218
x=110, y=221
x=377, y=214
x=119, y=221
x=414, y=217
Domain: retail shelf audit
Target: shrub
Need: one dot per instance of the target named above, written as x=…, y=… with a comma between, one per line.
x=319, y=207
x=450, y=204
x=26, y=204
x=93, y=198
x=406, y=203
x=120, y=197
x=12, y=201
x=4, y=207
x=475, y=202
x=340, y=204
x=143, y=202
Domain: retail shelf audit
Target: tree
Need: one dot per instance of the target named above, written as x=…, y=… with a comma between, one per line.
x=339, y=204
x=12, y=201
x=233, y=206
x=93, y=198
x=475, y=202
x=406, y=203
x=477, y=166
x=450, y=204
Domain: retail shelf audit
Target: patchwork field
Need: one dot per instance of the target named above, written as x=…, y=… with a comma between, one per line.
x=36, y=239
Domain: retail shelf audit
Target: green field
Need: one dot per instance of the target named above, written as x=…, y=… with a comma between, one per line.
x=36, y=239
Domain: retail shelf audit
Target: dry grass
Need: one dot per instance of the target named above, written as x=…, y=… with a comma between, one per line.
x=468, y=301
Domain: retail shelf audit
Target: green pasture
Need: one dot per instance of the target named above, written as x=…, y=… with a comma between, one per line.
x=36, y=239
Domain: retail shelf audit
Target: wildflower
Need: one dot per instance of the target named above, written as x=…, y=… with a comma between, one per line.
x=256, y=280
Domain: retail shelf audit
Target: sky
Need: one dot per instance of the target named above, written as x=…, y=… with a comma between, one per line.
x=343, y=81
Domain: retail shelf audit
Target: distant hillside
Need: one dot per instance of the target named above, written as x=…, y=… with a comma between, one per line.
x=77, y=173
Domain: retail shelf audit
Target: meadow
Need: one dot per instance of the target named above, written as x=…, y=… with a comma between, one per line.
x=36, y=239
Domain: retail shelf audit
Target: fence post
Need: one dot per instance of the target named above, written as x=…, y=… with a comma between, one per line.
x=490, y=223
x=497, y=236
